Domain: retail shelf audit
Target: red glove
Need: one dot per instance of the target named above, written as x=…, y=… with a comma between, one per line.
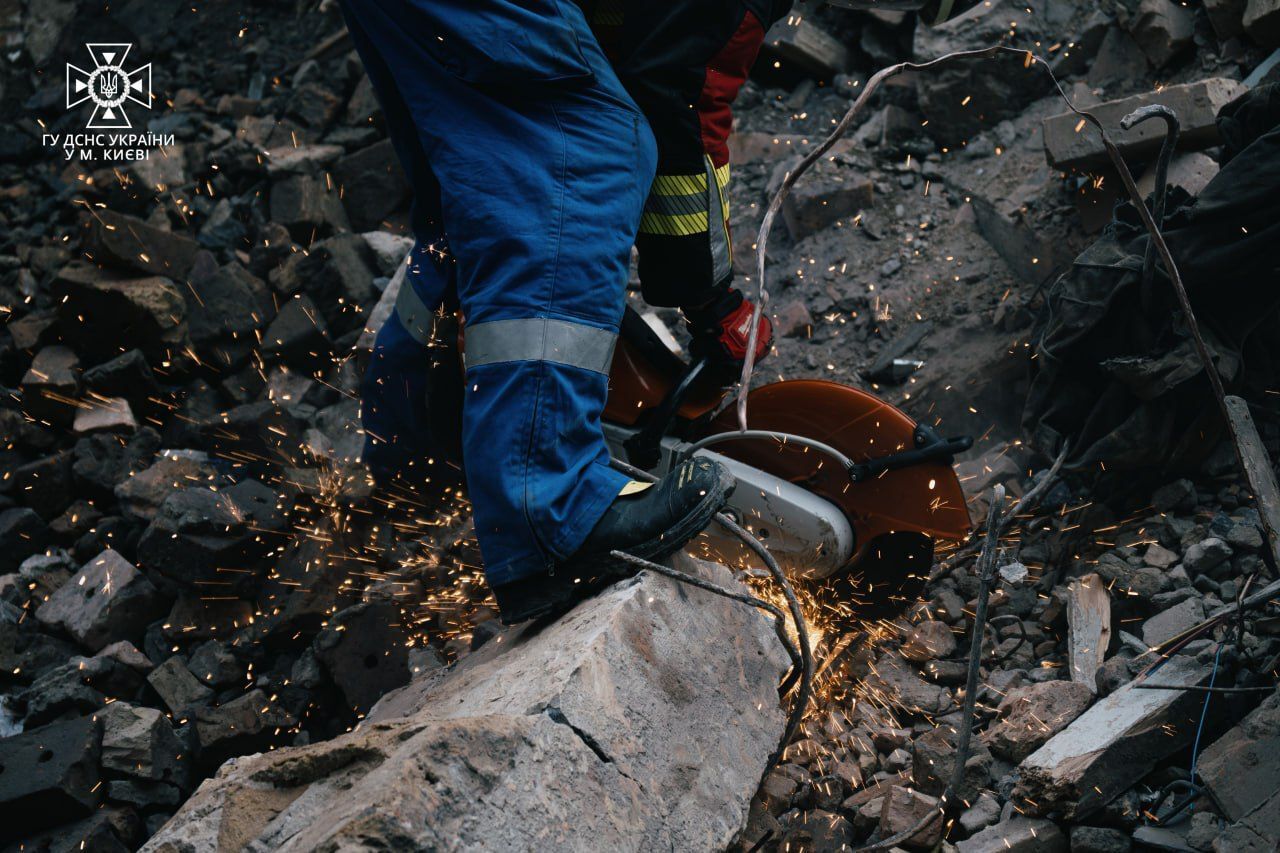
x=722, y=329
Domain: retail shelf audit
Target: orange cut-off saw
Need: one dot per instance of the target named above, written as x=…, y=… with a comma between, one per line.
x=830, y=477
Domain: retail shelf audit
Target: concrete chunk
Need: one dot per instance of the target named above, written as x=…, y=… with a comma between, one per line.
x=22, y=533
x=1017, y=835
x=249, y=723
x=388, y=250
x=1190, y=170
x=109, y=414
x=641, y=720
x=1262, y=22
x=1119, y=59
x=305, y=205
x=928, y=641
x=373, y=185
x=48, y=775
x=177, y=687
x=813, y=205
x=128, y=376
x=139, y=742
x=299, y=333
x=1029, y=716
x=754, y=146
x=50, y=384
x=795, y=39
x=1171, y=622
x=1113, y=744
x=144, y=796
x=902, y=809
x=1018, y=244
x=104, y=312
x=984, y=812
x=107, y=600
x=301, y=159
x=1070, y=142
x=129, y=242
x=965, y=98
x=1226, y=16
x=1163, y=29
x=365, y=650
x=1240, y=769
x=897, y=680
x=1099, y=839
x=1256, y=833
x=1205, y=556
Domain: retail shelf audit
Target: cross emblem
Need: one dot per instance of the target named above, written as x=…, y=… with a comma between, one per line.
x=109, y=86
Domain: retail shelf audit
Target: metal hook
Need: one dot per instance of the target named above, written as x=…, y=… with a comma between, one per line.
x=1172, y=129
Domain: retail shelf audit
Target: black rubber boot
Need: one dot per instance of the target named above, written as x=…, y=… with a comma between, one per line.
x=652, y=524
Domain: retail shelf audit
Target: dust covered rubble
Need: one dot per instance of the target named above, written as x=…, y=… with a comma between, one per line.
x=926, y=239
x=1065, y=754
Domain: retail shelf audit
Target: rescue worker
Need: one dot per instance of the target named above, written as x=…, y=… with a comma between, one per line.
x=533, y=162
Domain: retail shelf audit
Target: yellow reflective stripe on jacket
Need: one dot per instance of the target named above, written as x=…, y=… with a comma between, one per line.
x=678, y=225
x=678, y=204
x=679, y=185
x=722, y=180
x=722, y=176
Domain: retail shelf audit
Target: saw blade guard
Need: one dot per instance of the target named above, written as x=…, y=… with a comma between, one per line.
x=899, y=481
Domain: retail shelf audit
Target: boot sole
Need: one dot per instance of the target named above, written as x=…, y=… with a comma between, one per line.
x=547, y=608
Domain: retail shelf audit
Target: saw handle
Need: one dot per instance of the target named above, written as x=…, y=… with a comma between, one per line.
x=644, y=449
x=930, y=447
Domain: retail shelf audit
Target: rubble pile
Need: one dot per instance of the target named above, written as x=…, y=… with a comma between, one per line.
x=929, y=237
x=194, y=566
x=1069, y=742
x=192, y=563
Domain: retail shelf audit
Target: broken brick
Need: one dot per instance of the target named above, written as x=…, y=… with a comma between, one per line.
x=128, y=242
x=1240, y=770
x=48, y=775
x=107, y=600
x=140, y=742
x=1071, y=142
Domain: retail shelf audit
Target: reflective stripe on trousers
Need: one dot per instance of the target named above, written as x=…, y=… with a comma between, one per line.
x=415, y=315
x=540, y=339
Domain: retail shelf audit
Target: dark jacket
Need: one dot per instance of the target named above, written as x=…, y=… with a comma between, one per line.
x=683, y=61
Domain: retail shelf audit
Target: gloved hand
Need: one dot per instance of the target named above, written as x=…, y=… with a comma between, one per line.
x=721, y=330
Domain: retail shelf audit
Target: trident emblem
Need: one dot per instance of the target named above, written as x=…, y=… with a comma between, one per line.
x=109, y=86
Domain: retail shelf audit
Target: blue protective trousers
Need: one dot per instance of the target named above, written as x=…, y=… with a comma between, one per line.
x=530, y=165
